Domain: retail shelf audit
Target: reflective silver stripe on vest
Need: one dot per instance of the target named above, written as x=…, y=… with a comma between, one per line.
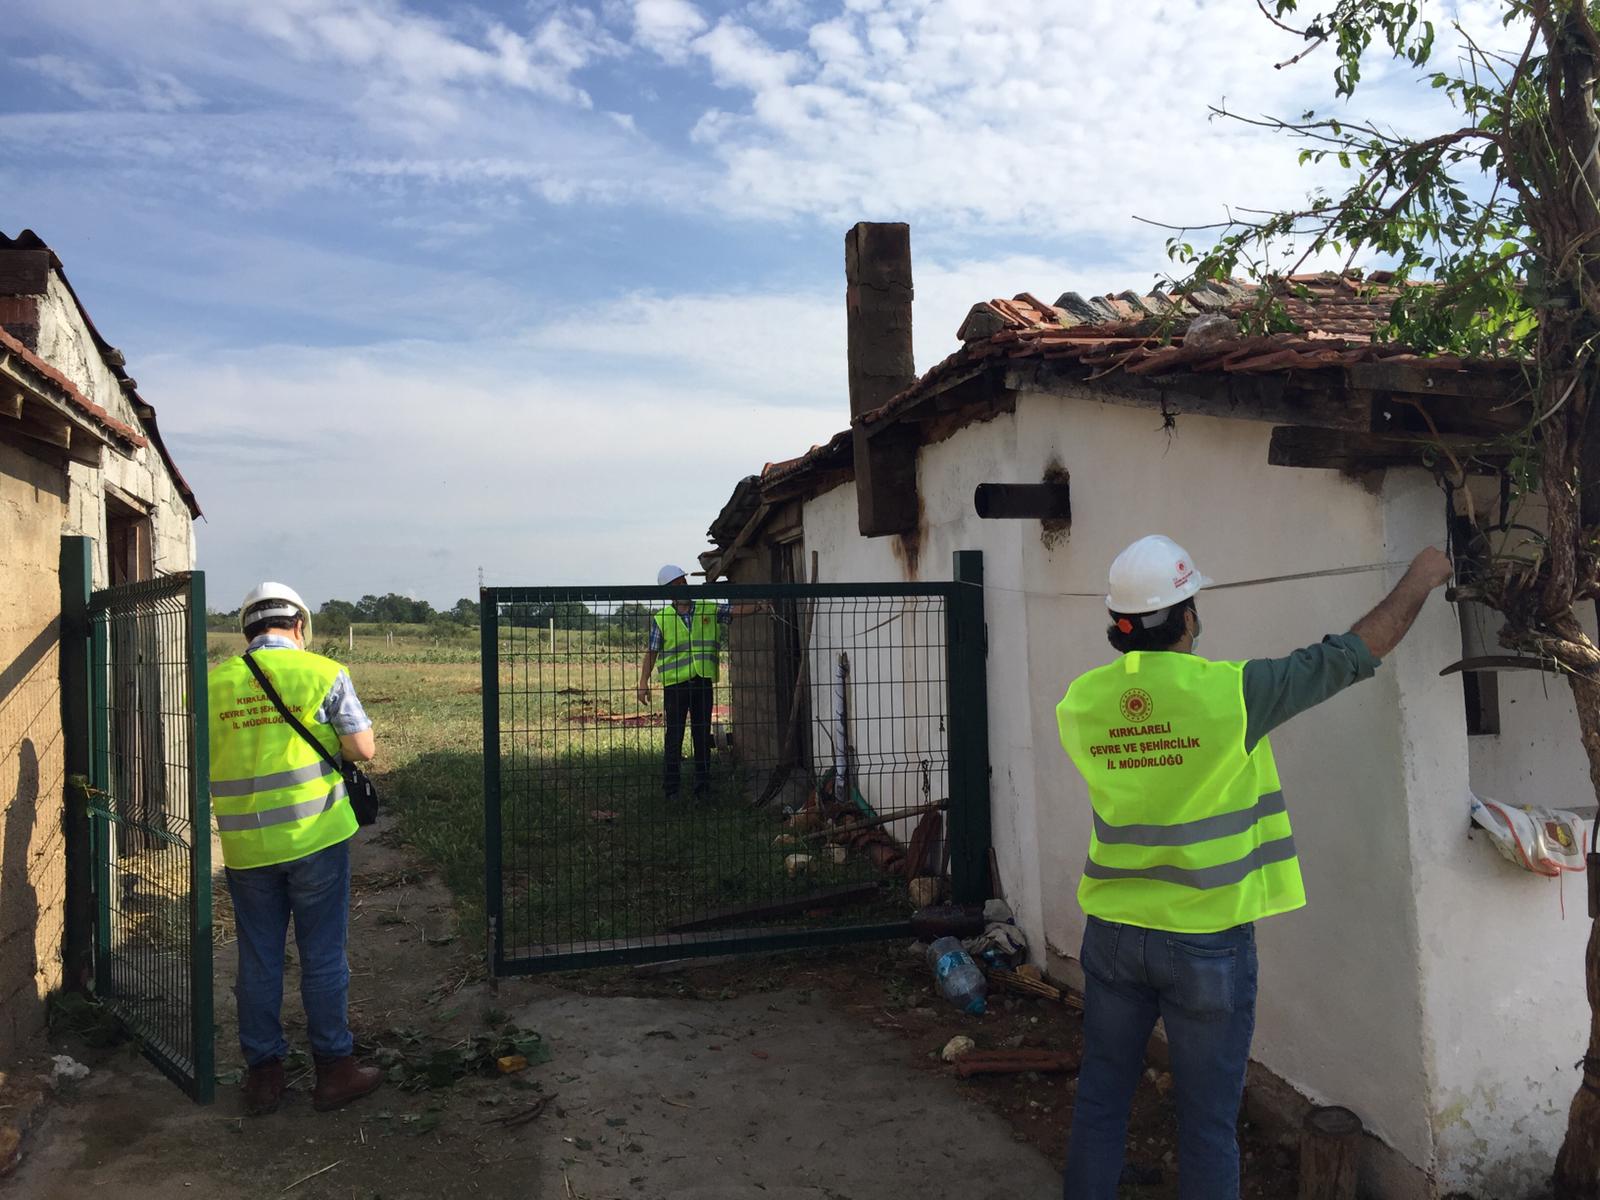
x=1201, y=878
x=239, y=822
x=1189, y=833
x=270, y=783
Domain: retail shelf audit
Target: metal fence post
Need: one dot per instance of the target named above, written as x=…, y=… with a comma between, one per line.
x=78, y=746
x=967, y=648
x=100, y=832
x=489, y=634
x=202, y=1015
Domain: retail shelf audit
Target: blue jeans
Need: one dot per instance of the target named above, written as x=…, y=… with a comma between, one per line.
x=1203, y=987
x=315, y=891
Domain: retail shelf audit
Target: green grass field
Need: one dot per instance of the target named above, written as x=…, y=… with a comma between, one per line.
x=592, y=849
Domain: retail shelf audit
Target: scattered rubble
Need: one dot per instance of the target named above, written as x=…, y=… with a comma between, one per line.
x=956, y=1047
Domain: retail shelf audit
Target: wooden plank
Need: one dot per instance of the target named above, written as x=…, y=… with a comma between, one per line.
x=1342, y=450
x=839, y=831
x=49, y=429
x=1483, y=383
x=11, y=405
x=1212, y=394
x=1330, y=1154
x=651, y=941
x=825, y=898
x=1397, y=412
x=751, y=528
x=1015, y=1062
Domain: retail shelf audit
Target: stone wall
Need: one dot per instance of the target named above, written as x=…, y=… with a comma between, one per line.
x=67, y=344
x=33, y=506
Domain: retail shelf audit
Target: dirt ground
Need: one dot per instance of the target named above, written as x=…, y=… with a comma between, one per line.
x=801, y=1077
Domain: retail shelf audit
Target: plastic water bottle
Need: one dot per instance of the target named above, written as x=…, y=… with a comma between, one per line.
x=959, y=979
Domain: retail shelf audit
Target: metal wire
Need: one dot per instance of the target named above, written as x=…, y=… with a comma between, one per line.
x=828, y=710
x=1216, y=587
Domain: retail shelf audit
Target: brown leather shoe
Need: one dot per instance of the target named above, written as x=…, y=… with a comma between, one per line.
x=263, y=1088
x=342, y=1080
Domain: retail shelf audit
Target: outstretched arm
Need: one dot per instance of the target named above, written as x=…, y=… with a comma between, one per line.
x=1383, y=627
x=1278, y=689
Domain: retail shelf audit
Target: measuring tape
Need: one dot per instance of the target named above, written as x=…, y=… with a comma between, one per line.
x=1216, y=587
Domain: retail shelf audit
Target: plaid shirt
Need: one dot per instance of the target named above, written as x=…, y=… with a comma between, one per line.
x=341, y=708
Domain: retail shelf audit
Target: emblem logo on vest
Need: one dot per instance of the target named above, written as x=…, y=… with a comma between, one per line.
x=1136, y=704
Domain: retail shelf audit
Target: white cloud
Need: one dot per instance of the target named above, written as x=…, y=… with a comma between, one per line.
x=535, y=455
x=403, y=52
x=440, y=458
x=149, y=91
x=1015, y=117
x=782, y=14
x=667, y=27
x=371, y=55
x=788, y=348
x=1005, y=117
x=740, y=59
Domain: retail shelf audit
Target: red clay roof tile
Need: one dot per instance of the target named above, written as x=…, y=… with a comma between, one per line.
x=70, y=392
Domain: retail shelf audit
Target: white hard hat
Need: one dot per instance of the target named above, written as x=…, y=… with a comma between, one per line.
x=668, y=573
x=273, y=600
x=1152, y=574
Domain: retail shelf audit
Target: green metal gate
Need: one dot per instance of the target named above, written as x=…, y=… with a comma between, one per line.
x=149, y=821
x=846, y=753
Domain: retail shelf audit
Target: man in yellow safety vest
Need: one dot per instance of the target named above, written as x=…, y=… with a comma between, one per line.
x=1191, y=845
x=285, y=825
x=685, y=644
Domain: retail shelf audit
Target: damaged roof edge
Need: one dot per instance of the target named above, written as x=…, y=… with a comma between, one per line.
x=52, y=379
x=116, y=361
x=1336, y=320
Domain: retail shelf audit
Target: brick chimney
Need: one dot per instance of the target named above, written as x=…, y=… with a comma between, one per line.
x=878, y=294
x=24, y=278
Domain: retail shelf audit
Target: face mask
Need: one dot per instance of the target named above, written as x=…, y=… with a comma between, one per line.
x=1196, y=640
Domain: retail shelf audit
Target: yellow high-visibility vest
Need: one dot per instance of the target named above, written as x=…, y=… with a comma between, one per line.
x=689, y=648
x=274, y=797
x=1190, y=831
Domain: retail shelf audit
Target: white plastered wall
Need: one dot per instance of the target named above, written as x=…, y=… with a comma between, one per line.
x=66, y=344
x=1338, y=1014
x=947, y=473
x=1428, y=985
x=1502, y=971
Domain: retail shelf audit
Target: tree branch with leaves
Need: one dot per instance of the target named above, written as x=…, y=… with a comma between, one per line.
x=1492, y=227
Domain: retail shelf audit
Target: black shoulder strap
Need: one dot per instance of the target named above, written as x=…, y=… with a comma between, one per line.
x=294, y=721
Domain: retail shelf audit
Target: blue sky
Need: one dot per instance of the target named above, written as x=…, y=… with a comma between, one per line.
x=530, y=285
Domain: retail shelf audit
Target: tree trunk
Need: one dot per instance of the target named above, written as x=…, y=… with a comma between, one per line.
x=1577, y=1174
x=1570, y=223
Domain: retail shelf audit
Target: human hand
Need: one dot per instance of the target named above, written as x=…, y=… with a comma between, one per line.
x=643, y=693
x=1432, y=566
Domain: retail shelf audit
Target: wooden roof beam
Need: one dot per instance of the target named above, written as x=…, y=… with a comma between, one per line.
x=1346, y=450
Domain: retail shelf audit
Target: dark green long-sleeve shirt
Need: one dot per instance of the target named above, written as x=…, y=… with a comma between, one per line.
x=1276, y=689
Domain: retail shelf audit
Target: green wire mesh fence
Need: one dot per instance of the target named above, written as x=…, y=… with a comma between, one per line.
x=820, y=773
x=149, y=821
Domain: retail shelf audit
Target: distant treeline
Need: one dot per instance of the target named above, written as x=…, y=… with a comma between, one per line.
x=336, y=616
